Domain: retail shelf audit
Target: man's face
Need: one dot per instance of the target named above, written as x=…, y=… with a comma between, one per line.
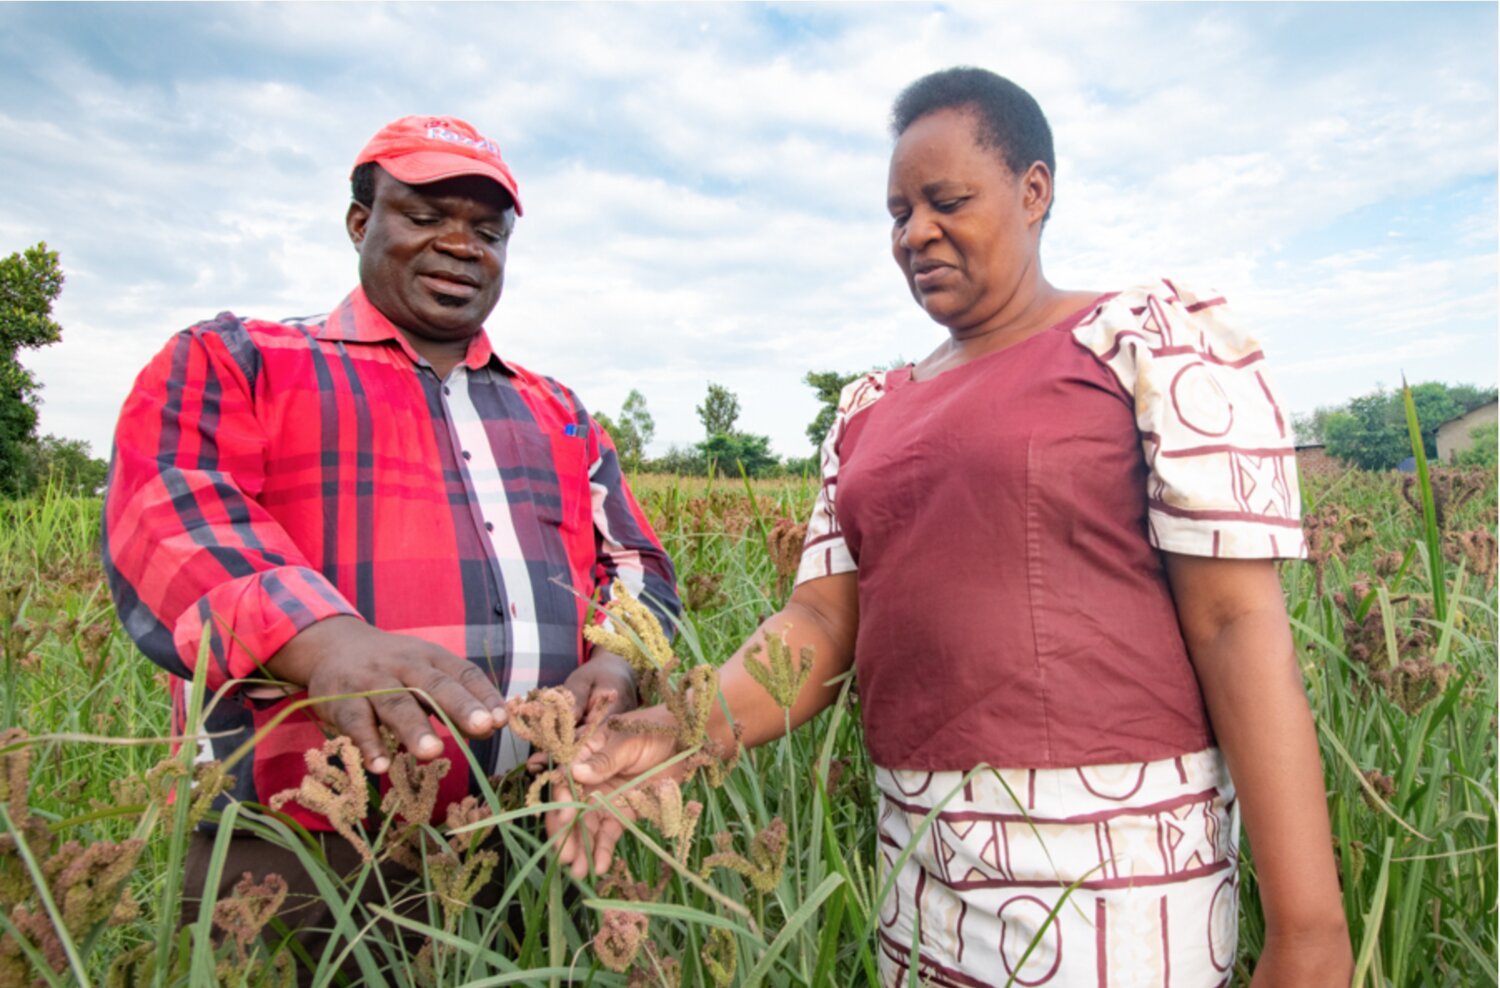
x=432, y=257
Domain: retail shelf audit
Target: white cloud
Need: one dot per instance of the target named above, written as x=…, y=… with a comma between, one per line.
x=704, y=184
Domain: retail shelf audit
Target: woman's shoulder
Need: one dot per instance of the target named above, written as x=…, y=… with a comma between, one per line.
x=1165, y=318
x=865, y=390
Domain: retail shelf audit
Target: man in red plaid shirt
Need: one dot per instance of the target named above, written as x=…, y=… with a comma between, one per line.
x=375, y=499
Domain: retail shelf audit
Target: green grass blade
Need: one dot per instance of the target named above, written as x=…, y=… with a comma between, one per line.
x=1430, y=532
x=1373, y=917
x=794, y=923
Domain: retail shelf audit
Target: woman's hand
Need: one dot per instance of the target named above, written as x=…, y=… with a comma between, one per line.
x=822, y=614
x=1234, y=622
x=610, y=760
x=1312, y=959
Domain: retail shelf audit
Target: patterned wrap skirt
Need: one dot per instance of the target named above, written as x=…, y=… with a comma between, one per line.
x=1110, y=875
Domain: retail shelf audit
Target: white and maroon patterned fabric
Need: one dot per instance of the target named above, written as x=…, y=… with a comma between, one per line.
x=1223, y=472
x=1147, y=849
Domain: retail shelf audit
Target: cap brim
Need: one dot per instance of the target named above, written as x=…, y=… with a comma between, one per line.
x=422, y=167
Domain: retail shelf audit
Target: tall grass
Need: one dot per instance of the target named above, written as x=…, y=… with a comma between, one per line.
x=1396, y=637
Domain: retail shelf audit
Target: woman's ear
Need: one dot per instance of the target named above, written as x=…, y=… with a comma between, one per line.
x=1036, y=191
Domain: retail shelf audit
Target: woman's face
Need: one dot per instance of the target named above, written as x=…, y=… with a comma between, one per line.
x=965, y=228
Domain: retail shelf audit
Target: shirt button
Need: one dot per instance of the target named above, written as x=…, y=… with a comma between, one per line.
x=489, y=526
x=466, y=455
x=446, y=391
x=500, y=609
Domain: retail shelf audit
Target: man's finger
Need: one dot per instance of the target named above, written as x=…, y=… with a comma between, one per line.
x=355, y=720
x=446, y=695
x=401, y=713
x=580, y=698
x=478, y=691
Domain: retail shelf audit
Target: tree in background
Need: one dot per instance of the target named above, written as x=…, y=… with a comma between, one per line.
x=1370, y=431
x=728, y=452
x=632, y=431
x=608, y=425
x=681, y=461
x=726, y=449
x=719, y=411
x=65, y=466
x=29, y=283
x=638, y=427
x=827, y=385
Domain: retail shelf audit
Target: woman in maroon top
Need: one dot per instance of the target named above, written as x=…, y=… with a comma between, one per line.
x=1047, y=548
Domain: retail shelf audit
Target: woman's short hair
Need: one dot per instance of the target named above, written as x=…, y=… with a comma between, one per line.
x=1010, y=121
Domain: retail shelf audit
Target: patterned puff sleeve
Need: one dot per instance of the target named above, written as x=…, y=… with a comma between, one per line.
x=824, y=551
x=1223, y=478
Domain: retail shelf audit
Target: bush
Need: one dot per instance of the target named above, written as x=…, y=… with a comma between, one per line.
x=1483, y=452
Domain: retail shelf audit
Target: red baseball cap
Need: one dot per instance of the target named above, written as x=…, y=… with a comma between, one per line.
x=418, y=150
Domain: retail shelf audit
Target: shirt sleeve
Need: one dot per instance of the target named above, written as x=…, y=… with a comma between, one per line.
x=824, y=551
x=627, y=549
x=191, y=557
x=1223, y=473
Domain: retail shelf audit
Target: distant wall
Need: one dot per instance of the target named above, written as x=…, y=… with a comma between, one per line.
x=1453, y=436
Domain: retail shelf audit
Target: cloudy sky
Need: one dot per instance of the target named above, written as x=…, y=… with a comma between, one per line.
x=704, y=185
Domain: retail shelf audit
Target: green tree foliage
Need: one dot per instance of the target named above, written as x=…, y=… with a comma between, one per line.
x=636, y=422
x=29, y=283
x=66, y=466
x=727, y=452
x=1485, y=452
x=1370, y=431
x=719, y=411
x=683, y=461
x=827, y=385
x=803, y=466
x=608, y=425
x=632, y=431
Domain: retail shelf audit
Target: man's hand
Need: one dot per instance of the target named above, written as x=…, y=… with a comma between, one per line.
x=342, y=655
x=609, y=761
x=604, y=670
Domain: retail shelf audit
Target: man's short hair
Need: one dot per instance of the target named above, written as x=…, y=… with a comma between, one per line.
x=362, y=184
x=1009, y=121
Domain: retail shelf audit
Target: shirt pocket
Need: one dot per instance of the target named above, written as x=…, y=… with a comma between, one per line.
x=556, y=473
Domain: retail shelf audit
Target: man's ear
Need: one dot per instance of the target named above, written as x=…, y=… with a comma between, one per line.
x=354, y=221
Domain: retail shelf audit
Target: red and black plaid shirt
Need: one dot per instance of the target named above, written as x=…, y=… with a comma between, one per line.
x=268, y=475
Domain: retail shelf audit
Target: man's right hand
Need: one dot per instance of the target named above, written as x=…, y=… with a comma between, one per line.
x=343, y=655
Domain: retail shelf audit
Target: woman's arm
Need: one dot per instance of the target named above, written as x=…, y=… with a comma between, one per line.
x=822, y=613
x=1234, y=622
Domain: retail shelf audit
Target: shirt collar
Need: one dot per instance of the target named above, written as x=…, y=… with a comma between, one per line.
x=356, y=320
